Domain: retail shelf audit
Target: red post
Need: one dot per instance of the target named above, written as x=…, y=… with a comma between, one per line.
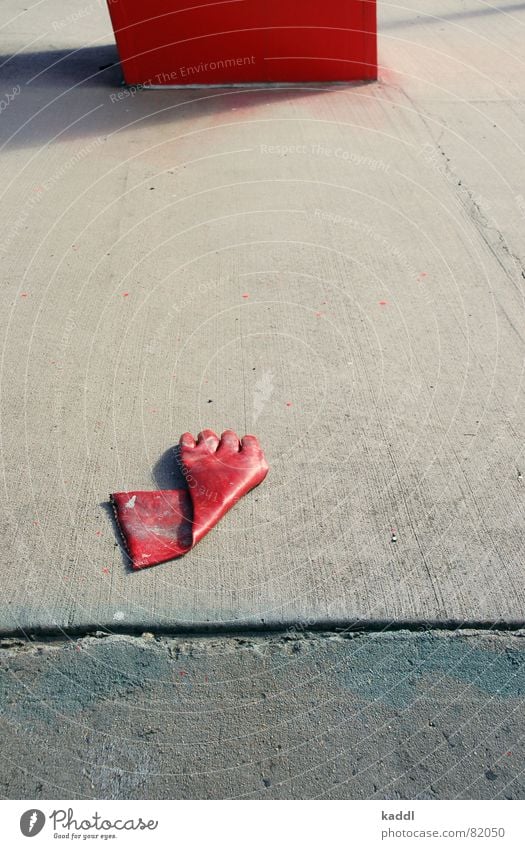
x=185, y=42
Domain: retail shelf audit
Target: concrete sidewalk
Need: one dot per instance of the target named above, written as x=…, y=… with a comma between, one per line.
x=337, y=269
x=295, y=716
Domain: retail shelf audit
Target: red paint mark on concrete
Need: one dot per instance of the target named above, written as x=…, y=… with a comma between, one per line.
x=383, y=303
x=288, y=403
x=319, y=314
x=423, y=274
x=24, y=294
x=182, y=673
x=105, y=570
x=246, y=295
x=125, y=294
x=98, y=533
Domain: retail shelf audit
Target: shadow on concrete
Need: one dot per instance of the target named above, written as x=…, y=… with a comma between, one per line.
x=66, y=95
x=425, y=18
x=126, y=560
x=97, y=66
x=167, y=471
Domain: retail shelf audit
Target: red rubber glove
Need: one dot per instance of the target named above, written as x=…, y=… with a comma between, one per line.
x=162, y=525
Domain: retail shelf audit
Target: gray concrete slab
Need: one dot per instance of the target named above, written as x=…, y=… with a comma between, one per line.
x=336, y=269
x=385, y=716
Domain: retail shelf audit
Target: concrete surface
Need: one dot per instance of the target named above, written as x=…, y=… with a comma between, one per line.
x=386, y=716
x=337, y=269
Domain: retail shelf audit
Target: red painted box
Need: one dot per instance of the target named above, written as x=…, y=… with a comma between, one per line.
x=188, y=42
